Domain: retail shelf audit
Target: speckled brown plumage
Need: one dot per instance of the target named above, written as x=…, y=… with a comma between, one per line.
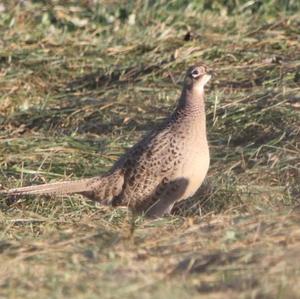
x=167, y=165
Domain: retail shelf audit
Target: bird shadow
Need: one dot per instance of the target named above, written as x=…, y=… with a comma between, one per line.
x=200, y=203
x=167, y=194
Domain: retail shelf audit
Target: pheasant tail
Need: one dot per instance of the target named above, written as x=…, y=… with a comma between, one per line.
x=66, y=187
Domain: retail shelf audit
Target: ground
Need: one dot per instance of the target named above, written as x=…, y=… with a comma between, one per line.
x=82, y=81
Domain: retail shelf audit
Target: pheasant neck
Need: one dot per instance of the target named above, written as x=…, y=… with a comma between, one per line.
x=191, y=102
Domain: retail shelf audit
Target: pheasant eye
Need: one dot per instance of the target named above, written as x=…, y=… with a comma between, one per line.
x=195, y=73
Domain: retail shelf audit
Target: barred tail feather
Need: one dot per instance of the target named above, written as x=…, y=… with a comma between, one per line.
x=66, y=187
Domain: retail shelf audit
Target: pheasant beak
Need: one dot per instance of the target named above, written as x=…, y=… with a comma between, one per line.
x=205, y=78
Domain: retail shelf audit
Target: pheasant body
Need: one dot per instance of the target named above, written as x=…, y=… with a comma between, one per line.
x=166, y=166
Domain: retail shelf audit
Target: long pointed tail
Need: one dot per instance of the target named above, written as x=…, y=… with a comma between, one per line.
x=66, y=187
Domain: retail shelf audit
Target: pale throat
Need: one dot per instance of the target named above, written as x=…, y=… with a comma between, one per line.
x=198, y=89
x=196, y=93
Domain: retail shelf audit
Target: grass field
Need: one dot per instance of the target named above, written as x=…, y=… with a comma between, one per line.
x=81, y=81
